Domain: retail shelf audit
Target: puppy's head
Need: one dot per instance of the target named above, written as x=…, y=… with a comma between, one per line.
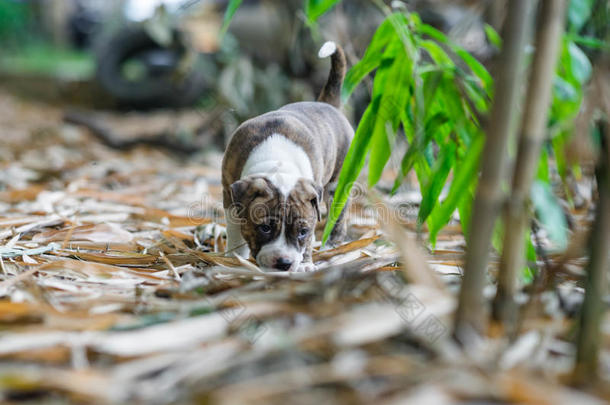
x=278, y=227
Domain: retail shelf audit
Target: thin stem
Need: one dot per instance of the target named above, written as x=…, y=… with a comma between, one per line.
x=589, y=335
x=471, y=313
x=516, y=212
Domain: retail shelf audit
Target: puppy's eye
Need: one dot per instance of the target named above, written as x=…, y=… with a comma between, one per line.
x=264, y=229
x=303, y=232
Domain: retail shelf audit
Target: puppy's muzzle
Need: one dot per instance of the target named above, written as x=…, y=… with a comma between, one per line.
x=283, y=264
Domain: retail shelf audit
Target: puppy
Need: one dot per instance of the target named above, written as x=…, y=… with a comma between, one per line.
x=277, y=169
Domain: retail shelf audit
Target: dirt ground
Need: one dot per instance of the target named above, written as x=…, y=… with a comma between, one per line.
x=114, y=289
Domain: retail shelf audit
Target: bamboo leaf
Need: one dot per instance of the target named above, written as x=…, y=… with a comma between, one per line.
x=563, y=90
x=418, y=146
x=371, y=59
x=550, y=214
x=530, y=255
x=580, y=66
x=543, y=167
x=474, y=65
x=589, y=42
x=229, y=13
x=579, y=12
x=438, y=54
x=352, y=165
x=392, y=104
x=465, y=210
x=493, y=36
x=558, y=143
x=432, y=81
x=432, y=190
x=478, y=96
x=464, y=176
x=314, y=9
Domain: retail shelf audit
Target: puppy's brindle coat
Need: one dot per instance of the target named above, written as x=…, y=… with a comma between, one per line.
x=276, y=170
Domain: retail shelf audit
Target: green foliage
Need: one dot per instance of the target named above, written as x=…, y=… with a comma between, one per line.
x=439, y=107
x=314, y=9
x=589, y=42
x=579, y=12
x=550, y=214
x=229, y=13
x=432, y=91
x=13, y=21
x=40, y=58
x=573, y=71
x=493, y=36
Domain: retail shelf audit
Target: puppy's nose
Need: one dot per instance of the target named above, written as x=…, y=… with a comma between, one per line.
x=283, y=264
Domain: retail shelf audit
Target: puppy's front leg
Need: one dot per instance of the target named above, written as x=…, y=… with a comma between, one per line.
x=307, y=263
x=235, y=241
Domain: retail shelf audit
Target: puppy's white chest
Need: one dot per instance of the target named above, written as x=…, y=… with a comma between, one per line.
x=281, y=160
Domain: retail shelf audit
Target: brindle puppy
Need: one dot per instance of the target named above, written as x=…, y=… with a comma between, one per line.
x=276, y=170
x=277, y=228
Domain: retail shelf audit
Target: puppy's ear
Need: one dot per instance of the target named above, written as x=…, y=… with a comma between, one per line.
x=238, y=191
x=308, y=191
x=244, y=191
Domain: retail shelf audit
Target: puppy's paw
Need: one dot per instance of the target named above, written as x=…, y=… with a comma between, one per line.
x=306, y=267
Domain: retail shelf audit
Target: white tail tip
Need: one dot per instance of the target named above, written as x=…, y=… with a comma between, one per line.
x=327, y=49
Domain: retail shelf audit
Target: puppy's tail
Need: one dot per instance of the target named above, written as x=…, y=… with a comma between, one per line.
x=331, y=93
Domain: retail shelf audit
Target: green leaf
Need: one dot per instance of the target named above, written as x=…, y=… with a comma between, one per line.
x=437, y=53
x=528, y=275
x=563, y=90
x=579, y=12
x=352, y=165
x=558, y=143
x=314, y=9
x=477, y=95
x=529, y=272
x=474, y=65
x=543, y=167
x=231, y=9
x=497, y=237
x=417, y=147
x=465, y=174
x=465, y=210
x=371, y=60
x=392, y=86
x=493, y=36
x=433, y=33
x=550, y=214
x=432, y=190
x=530, y=250
x=422, y=169
x=580, y=66
x=589, y=42
x=432, y=80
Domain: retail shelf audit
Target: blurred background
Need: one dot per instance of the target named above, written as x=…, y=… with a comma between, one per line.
x=166, y=60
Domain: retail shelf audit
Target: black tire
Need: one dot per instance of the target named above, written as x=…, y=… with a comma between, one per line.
x=161, y=89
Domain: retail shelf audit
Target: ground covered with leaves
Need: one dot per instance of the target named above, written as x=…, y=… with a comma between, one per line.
x=114, y=289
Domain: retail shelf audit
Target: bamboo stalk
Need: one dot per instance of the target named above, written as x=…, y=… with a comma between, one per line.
x=589, y=335
x=537, y=102
x=471, y=312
